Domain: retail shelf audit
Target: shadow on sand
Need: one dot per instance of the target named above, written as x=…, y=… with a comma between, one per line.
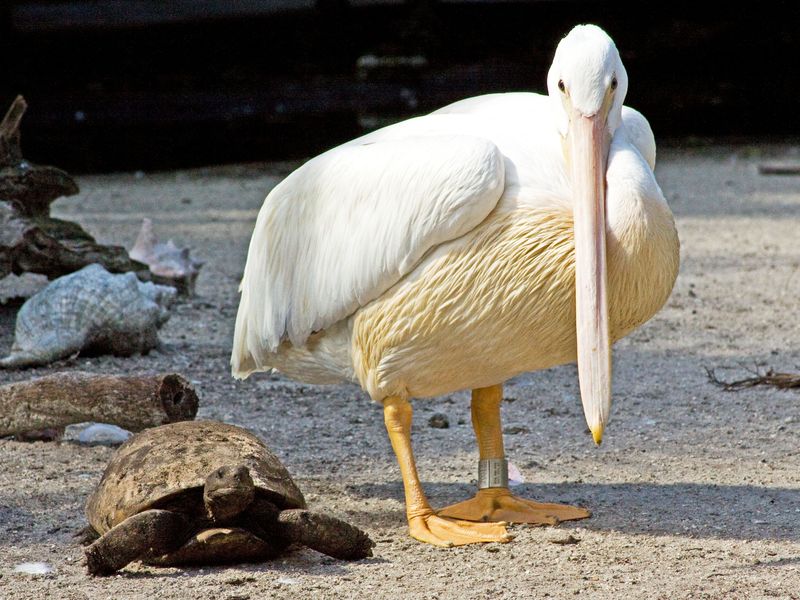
x=744, y=512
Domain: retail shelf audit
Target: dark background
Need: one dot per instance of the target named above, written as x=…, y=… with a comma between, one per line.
x=146, y=84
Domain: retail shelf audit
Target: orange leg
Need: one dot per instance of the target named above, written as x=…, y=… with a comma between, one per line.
x=423, y=523
x=498, y=503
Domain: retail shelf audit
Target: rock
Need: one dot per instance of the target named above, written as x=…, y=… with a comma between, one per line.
x=570, y=539
x=48, y=434
x=101, y=434
x=439, y=421
x=514, y=430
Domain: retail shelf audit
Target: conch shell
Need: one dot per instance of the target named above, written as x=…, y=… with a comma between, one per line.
x=89, y=311
x=169, y=264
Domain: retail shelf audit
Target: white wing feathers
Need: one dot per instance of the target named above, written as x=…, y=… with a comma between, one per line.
x=638, y=132
x=349, y=224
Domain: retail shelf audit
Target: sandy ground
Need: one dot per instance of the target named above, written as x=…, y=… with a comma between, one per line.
x=695, y=491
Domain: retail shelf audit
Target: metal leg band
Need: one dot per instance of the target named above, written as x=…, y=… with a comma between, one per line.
x=492, y=473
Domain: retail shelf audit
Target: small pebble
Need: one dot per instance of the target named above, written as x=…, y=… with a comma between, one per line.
x=439, y=421
x=514, y=430
x=570, y=539
x=51, y=434
x=103, y=434
x=239, y=581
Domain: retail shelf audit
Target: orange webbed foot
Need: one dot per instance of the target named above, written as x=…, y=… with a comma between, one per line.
x=440, y=531
x=499, y=504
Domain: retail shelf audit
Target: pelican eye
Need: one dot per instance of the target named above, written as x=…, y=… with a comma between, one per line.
x=561, y=85
x=613, y=83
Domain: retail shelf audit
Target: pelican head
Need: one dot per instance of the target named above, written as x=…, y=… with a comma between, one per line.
x=587, y=77
x=587, y=83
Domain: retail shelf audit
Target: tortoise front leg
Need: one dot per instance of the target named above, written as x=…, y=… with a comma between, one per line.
x=149, y=533
x=322, y=533
x=325, y=534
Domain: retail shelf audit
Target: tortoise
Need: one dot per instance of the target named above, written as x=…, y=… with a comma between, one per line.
x=204, y=492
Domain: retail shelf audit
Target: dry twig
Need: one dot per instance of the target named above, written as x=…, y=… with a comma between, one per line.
x=770, y=377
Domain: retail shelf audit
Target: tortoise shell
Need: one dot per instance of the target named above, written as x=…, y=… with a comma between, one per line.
x=159, y=465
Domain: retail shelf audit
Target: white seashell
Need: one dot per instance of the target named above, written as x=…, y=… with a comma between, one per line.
x=92, y=311
x=168, y=263
x=515, y=476
x=33, y=568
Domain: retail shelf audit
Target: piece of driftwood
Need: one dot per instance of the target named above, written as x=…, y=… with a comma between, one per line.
x=771, y=378
x=133, y=402
x=779, y=168
x=30, y=240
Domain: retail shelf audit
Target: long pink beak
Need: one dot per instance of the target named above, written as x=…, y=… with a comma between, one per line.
x=589, y=152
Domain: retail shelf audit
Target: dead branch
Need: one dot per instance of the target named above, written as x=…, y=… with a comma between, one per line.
x=31, y=240
x=10, y=152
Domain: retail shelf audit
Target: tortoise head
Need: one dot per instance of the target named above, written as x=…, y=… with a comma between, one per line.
x=228, y=491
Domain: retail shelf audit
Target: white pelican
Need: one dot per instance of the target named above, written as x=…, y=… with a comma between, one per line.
x=501, y=234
